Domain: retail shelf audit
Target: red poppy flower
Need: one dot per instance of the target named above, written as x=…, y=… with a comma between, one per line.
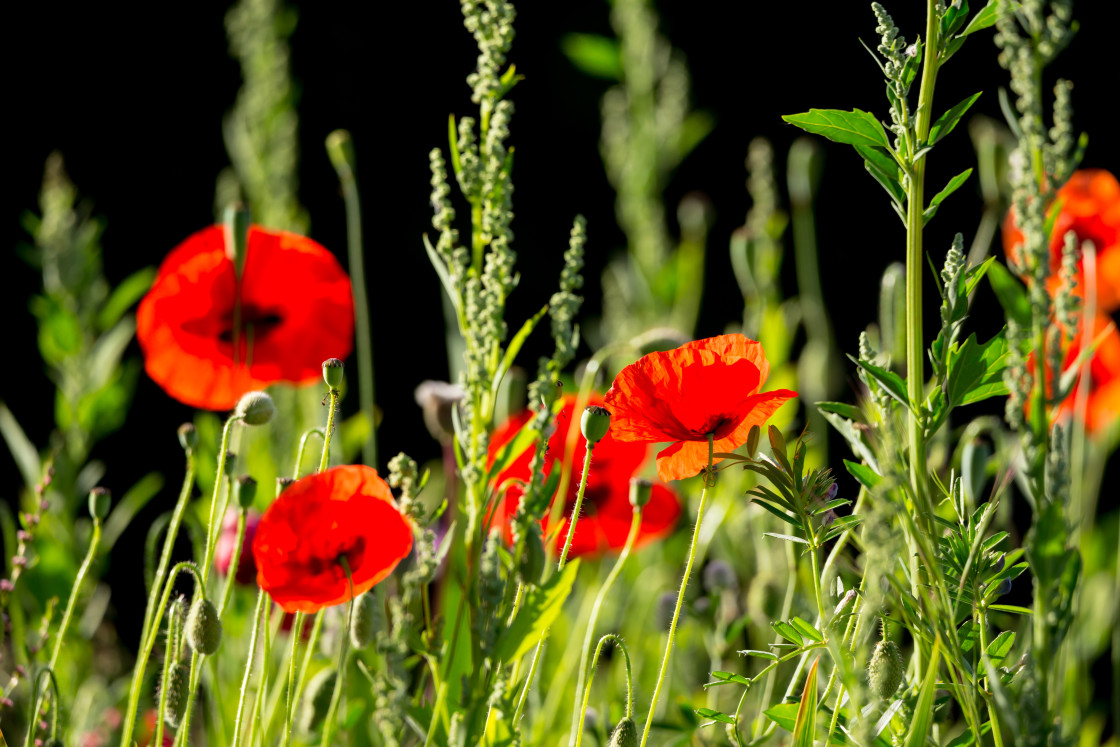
x=295, y=310
x=607, y=513
x=346, y=512
x=1089, y=205
x=710, y=386
x=1103, y=404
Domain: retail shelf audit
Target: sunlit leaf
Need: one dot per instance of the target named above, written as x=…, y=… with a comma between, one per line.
x=947, y=121
x=853, y=128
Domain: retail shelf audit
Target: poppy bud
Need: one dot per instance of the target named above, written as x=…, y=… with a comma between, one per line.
x=176, y=685
x=532, y=558
x=255, y=408
x=188, y=437
x=320, y=690
x=641, y=490
x=231, y=463
x=595, y=423
x=99, y=499
x=884, y=671
x=244, y=491
x=363, y=625
x=332, y=372
x=203, y=628
x=625, y=734
x=236, y=225
x=340, y=149
x=282, y=483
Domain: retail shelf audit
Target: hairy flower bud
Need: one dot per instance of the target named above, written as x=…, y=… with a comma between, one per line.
x=595, y=423
x=885, y=670
x=363, y=625
x=320, y=690
x=641, y=490
x=625, y=734
x=176, y=685
x=332, y=372
x=532, y=558
x=255, y=408
x=188, y=437
x=203, y=628
x=99, y=500
x=244, y=491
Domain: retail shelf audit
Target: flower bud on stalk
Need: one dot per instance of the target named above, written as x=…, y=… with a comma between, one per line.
x=332, y=372
x=99, y=500
x=320, y=690
x=188, y=437
x=255, y=408
x=363, y=625
x=641, y=490
x=176, y=685
x=244, y=491
x=282, y=484
x=595, y=423
x=203, y=628
x=885, y=670
x=625, y=734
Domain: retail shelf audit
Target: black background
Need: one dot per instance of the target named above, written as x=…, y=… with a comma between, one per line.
x=133, y=96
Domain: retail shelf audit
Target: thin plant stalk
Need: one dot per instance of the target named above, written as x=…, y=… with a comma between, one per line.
x=218, y=476
x=169, y=658
x=261, y=597
x=95, y=540
x=231, y=571
x=578, y=713
x=341, y=150
x=343, y=660
x=680, y=598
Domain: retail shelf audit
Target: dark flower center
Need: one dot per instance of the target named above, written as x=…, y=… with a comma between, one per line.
x=262, y=322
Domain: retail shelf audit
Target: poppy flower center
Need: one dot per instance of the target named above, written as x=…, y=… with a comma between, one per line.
x=261, y=320
x=353, y=554
x=718, y=425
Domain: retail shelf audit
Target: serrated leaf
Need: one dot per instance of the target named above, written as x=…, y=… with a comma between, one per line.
x=852, y=128
x=867, y=477
x=593, y=54
x=1011, y=293
x=953, y=185
x=541, y=606
x=723, y=718
x=948, y=121
x=805, y=727
x=976, y=370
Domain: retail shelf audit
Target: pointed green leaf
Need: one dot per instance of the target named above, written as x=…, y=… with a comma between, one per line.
x=723, y=718
x=805, y=728
x=976, y=370
x=1001, y=647
x=1011, y=293
x=515, y=348
x=127, y=292
x=867, y=477
x=778, y=512
x=947, y=121
x=891, y=382
x=593, y=54
x=542, y=605
x=23, y=451
x=807, y=630
x=953, y=185
x=987, y=17
x=852, y=435
x=760, y=654
x=893, y=188
x=923, y=708
x=787, y=631
x=853, y=128
x=844, y=410
x=731, y=677
x=787, y=537
x=1013, y=609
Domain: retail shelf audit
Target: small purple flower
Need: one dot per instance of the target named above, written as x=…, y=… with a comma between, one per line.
x=6, y=585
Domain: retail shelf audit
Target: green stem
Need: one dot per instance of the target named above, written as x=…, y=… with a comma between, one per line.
x=303, y=446
x=234, y=561
x=343, y=654
x=680, y=600
x=578, y=713
x=255, y=723
x=218, y=476
x=170, y=655
x=304, y=670
x=94, y=541
x=325, y=460
x=40, y=694
x=594, y=664
x=149, y=643
x=261, y=597
x=364, y=332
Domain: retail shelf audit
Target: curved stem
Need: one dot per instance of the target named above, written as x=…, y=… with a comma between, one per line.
x=578, y=713
x=680, y=600
x=303, y=446
x=218, y=476
x=149, y=643
x=629, y=680
x=261, y=596
x=94, y=541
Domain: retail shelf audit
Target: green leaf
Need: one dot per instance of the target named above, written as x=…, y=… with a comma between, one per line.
x=760, y=654
x=124, y=295
x=954, y=18
x=129, y=505
x=23, y=451
x=1011, y=293
x=844, y=410
x=976, y=370
x=1001, y=647
x=444, y=276
x=542, y=606
x=853, y=128
x=947, y=121
x=953, y=185
x=891, y=382
x=593, y=54
x=923, y=708
x=807, y=630
x=787, y=631
x=867, y=477
x=732, y=677
x=805, y=728
x=987, y=17
x=786, y=537
x=515, y=347
x=881, y=165
x=893, y=188
x=723, y=718
x=778, y=512
x=784, y=715
x=1009, y=608
x=854, y=437
x=975, y=274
